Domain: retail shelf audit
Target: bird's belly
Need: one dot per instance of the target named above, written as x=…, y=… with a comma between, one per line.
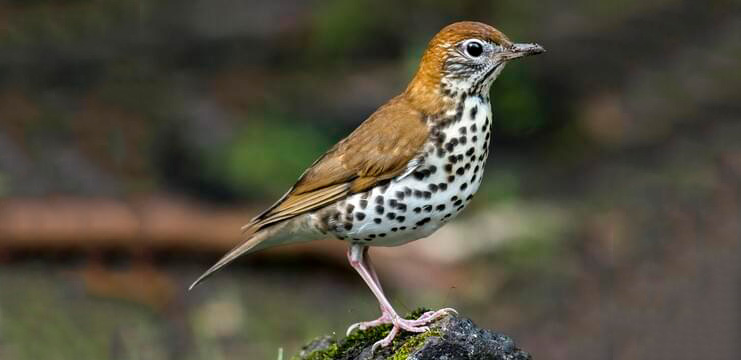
x=416, y=205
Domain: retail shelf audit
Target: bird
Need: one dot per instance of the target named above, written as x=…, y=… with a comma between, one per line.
x=408, y=169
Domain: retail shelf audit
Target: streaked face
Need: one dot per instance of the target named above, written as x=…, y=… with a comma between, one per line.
x=472, y=65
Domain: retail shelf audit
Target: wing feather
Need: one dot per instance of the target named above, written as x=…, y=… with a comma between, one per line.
x=383, y=147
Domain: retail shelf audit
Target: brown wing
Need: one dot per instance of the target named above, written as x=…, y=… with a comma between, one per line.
x=379, y=149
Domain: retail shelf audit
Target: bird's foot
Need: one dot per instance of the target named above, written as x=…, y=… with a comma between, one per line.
x=384, y=319
x=388, y=317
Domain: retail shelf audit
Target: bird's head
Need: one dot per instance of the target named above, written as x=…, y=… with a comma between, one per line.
x=463, y=57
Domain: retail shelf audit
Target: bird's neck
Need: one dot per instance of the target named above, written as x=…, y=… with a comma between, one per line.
x=440, y=96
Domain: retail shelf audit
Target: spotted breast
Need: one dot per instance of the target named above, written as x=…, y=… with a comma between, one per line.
x=440, y=183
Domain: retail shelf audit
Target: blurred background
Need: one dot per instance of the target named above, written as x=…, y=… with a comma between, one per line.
x=136, y=137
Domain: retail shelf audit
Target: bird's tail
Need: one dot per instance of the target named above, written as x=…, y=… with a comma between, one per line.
x=246, y=246
x=286, y=232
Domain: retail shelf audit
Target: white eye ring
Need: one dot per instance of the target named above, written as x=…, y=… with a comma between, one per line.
x=473, y=48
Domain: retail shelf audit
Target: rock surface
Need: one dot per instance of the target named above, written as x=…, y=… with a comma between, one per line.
x=450, y=338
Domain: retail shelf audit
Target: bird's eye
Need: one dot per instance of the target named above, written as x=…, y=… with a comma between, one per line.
x=474, y=49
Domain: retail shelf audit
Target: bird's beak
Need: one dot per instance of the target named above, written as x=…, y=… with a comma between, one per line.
x=520, y=50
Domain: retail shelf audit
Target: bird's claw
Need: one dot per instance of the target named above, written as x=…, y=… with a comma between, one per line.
x=384, y=319
x=418, y=325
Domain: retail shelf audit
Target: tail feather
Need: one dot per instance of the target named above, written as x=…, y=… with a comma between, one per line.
x=285, y=232
x=234, y=253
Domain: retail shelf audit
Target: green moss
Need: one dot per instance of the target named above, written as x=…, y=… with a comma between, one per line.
x=327, y=354
x=404, y=344
x=412, y=344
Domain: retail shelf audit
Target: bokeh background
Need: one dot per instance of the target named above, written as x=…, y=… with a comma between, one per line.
x=137, y=136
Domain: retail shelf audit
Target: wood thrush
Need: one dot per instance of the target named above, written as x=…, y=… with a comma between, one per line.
x=412, y=166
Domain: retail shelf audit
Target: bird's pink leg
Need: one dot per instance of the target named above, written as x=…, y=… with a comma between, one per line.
x=356, y=255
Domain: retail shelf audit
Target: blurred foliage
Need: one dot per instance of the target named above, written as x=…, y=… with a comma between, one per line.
x=341, y=26
x=517, y=105
x=265, y=155
x=3, y=185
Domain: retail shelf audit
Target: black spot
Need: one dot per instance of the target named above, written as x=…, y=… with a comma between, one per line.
x=377, y=220
x=407, y=191
x=427, y=208
x=367, y=239
x=379, y=200
x=469, y=197
x=464, y=186
x=440, y=207
x=459, y=171
x=403, y=228
x=433, y=187
x=391, y=216
x=441, y=137
x=462, y=140
x=372, y=236
x=418, y=175
x=360, y=215
x=468, y=166
x=402, y=207
x=473, y=127
x=433, y=168
x=417, y=210
x=449, y=146
x=401, y=219
x=394, y=229
x=348, y=216
x=453, y=159
x=379, y=210
x=458, y=202
x=440, y=152
x=393, y=202
x=448, y=167
x=451, y=178
x=459, y=208
x=423, y=221
x=462, y=130
x=470, y=151
x=348, y=226
x=400, y=195
x=363, y=204
x=417, y=193
x=475, y=138
x=443, y=186
x=473, y=178
x=454, y=198
x=474, y=110
x=350, y=208
x=356, y=239
x=382, y=235
x=476, y=169
x=460, y=157
x=447, y=215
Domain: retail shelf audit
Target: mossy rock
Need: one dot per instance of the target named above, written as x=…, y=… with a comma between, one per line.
x=451, y=337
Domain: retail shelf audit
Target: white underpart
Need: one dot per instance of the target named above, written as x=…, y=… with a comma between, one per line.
x=478, y=128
